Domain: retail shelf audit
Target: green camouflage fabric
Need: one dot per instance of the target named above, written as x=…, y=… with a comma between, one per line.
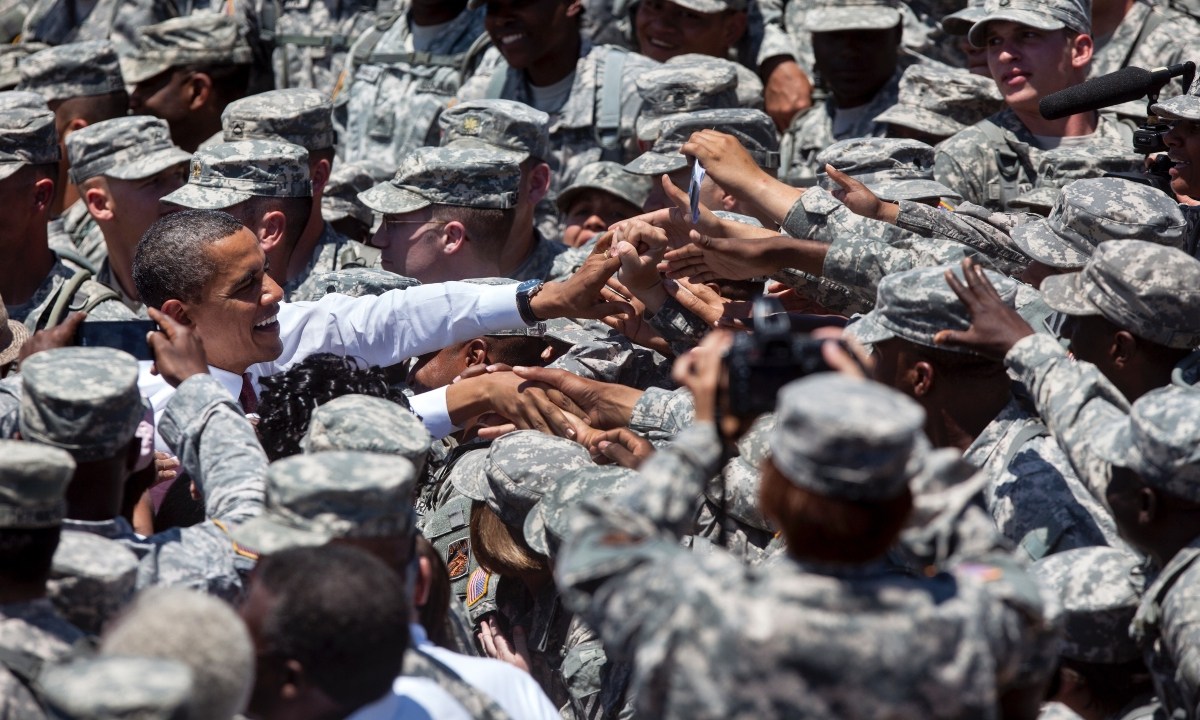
x=818, y=215
x=100, y=302
x=1074, y=15
x=609, y=177
x=367, y=424
x=27, y=137
x=233, y=172
x=205, y=39
x=1147, y=289
x=1149, y=36
x=476, y=176
x=33, y=631
x=334, y=254
x=673, y=88
x=754, y=129
x=312, y=40
x=394, y=91
x=893, y=168
x=1088, y=212
x=357, y=281
x=986, y=231
x=312, y=499
x=1099, y=589
x=548, y=260
x=749, y=88
x=976, y=162
x=10, y=60
x=503, y=124
x=1180, y=107
x=340, y=199
x=33, y=484
x=74, y=70
x=14, y=99
x=114, y=687
x=84, y=400
x=91, y=579
x=941, y=100
x=1059, y=167
x=301, y=117
x=127, y=148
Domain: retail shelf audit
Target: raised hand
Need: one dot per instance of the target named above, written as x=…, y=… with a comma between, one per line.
x=995, y=327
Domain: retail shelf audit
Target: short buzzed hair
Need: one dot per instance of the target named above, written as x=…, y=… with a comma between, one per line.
x=172, y=259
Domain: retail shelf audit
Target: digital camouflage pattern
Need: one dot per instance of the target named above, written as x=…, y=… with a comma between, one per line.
x=609, y=177
x=959, y=23
x=754, y=129
x=205, y=39
x=74, y=70
x=33, y=484
x=503, y=124
x=33, y=632
x=1088, y=212
x=100, y=302
x=548, y=523
x=91, y=579
x=127, y=148
x=1074, y=15
x=1150, y=35
x=749, y=88
x=14, y=99
x=843, y=15
x=312, y=40
x=941, y=100
x=357, y=282
x=481, y=177
x=1156, y=442
x=301, y=117
x=333, y=255
x=674, y=88
x=520, y=468
x=340, y=199
x=114, y=687
x=893, y=168
x=1059, y=167
x=367, y=424
x=84, y=400
x=1099, y=589
x=1147, y=289
x=233, y=172
x=10, y=61
x=311, y=499
x=27, y=137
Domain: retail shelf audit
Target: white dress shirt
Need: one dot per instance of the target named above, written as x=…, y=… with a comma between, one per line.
x=379, y=330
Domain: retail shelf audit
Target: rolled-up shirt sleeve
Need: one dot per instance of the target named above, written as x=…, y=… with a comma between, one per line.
x=431, y=408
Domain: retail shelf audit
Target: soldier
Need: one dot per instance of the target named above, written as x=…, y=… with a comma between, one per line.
x=672, y=89
x=311, y=40
x=340, y=205
x=304, y=118
x=400, y=75
x=264, y=184
x=186, y=70
x=123, y=168
x=10, y=59
x=368, y=424
x=1061, y=166
x=957, y=24
x=603, y=194
x=33, y=481
x=38, y=287
x=667, y=28
x=1141, y=34
x=995, y=160
x=91, y=580
x=82, y=84
x=936, y=102
x=1183, y=112
x=102, y=688
x=541, y=59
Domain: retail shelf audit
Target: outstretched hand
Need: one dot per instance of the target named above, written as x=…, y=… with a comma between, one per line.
x=726, y=161
x=995, y=327
x=859, y=198
x=708, y=258
x=580, y=296
x=59, y=336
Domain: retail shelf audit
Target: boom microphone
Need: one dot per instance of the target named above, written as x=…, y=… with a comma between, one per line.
x=1124, y=85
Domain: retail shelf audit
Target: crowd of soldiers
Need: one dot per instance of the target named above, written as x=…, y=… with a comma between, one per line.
x=596, y=359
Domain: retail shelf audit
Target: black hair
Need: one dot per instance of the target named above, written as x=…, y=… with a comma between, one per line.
x=229, y=82
x=342, y=614
x=488, y=228
x=94, y=108
x=26, y=553
x=289, y=398
x=171, y=260
x=1112, y=685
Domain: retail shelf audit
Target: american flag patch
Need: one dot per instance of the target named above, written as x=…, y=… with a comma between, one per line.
x=477, y=586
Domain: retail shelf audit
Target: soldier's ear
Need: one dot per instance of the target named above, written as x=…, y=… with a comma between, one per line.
x=1081, y=46
x=922, y=376
x=454, y=237
x=200, y=88
x=475, y=352
x=1123, y=349
x=272, y=230
x=96, y=201
x=538, y=183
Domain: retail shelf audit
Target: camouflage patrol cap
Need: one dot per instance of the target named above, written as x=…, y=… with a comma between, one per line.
x=357, y=282
x=33, y=484
x=1073, y=15
x=1099, y=590
x=340, y=199
x=610, y=177
x=125, y=148
x=367, y=424
x=1159, y=440
x=503, y=124
x=941, y=100
x=847, y=438
x=959, y=23
x=479, y=177
x=674, y=88
x=205, y=39
x=11, y=56
x=300, y=116
x=915, y=305
x=91, y=579
x=839, y=15
x=1089, y=212
x=749, y=88
x=1180, y=107
x=519, y=469
x=1149, y=290
x=13, y=99
x=754, y=129
x=312, y=499
x=117, y=687
x=1061, y=166
x=84, y=400
x=27, y=137
x=551, y=518
x=79, y=69
x=892, y=168
x=230, y=173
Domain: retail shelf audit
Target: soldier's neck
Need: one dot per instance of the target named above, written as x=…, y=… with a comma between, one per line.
x=516, y=251
x=1072, y=126
x=27, y=261
x=557, y=66
x=956, y=424
x=120, y=262
x=307, y=244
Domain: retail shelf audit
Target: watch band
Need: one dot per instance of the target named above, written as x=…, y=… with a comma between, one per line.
x=525, y=293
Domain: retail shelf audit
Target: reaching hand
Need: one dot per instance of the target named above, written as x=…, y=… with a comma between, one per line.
x=701, y=370
x=59, y=336
x=178, y=350
x=859, y=198
x=995, y=327
x=707, y=303
x=621, y=446
x=601, y=404
x=713, y=258
x=640, y=247
x=580, y=295
x=728, y=163
x=787, y=91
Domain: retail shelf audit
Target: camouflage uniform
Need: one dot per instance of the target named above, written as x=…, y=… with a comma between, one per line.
x=233, y=172
x=1151, y=35
x=752, y=128
x=749, y=88
x=110, y=687
x=10, y=58
x=1034, y=497
x=33, y=482
x=304, y=118
x=311, y=39
x=91, y=579
x=1058, y=167
x=674, y=88
x=939, y=100
x=395, y=90
x=28, y=137
x=666, y=611
x=340, y=199
x=128, y=148
x=1184, y=107
x=368, y=424
x=82, y=69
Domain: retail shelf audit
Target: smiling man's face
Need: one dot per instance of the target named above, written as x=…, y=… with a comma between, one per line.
x=665, y=29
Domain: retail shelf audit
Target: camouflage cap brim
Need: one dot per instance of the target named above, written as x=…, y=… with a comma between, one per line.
x=535, y=530
x=1039, y=241
x=916, y=189
x=469, y=477
x=857, y=17
x=652, y=163
x=388, y=199
x=711, y=6
x=139, y=68
x=150, y=165
x=504, y=153
x=1180, y=107
x=648, y=128
x=265, y=535
x=1066, y=294
x=1038, y=200
x=977, y=35
x=1115, y=444
x=922, y=119
x=197, y=197
x=959, y=23
x=868, y=330
x=566, y=197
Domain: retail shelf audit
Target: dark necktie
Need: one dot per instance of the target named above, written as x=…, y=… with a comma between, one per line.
x=247, y=397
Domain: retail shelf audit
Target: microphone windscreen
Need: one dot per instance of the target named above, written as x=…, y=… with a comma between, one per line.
x=1124, y=85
